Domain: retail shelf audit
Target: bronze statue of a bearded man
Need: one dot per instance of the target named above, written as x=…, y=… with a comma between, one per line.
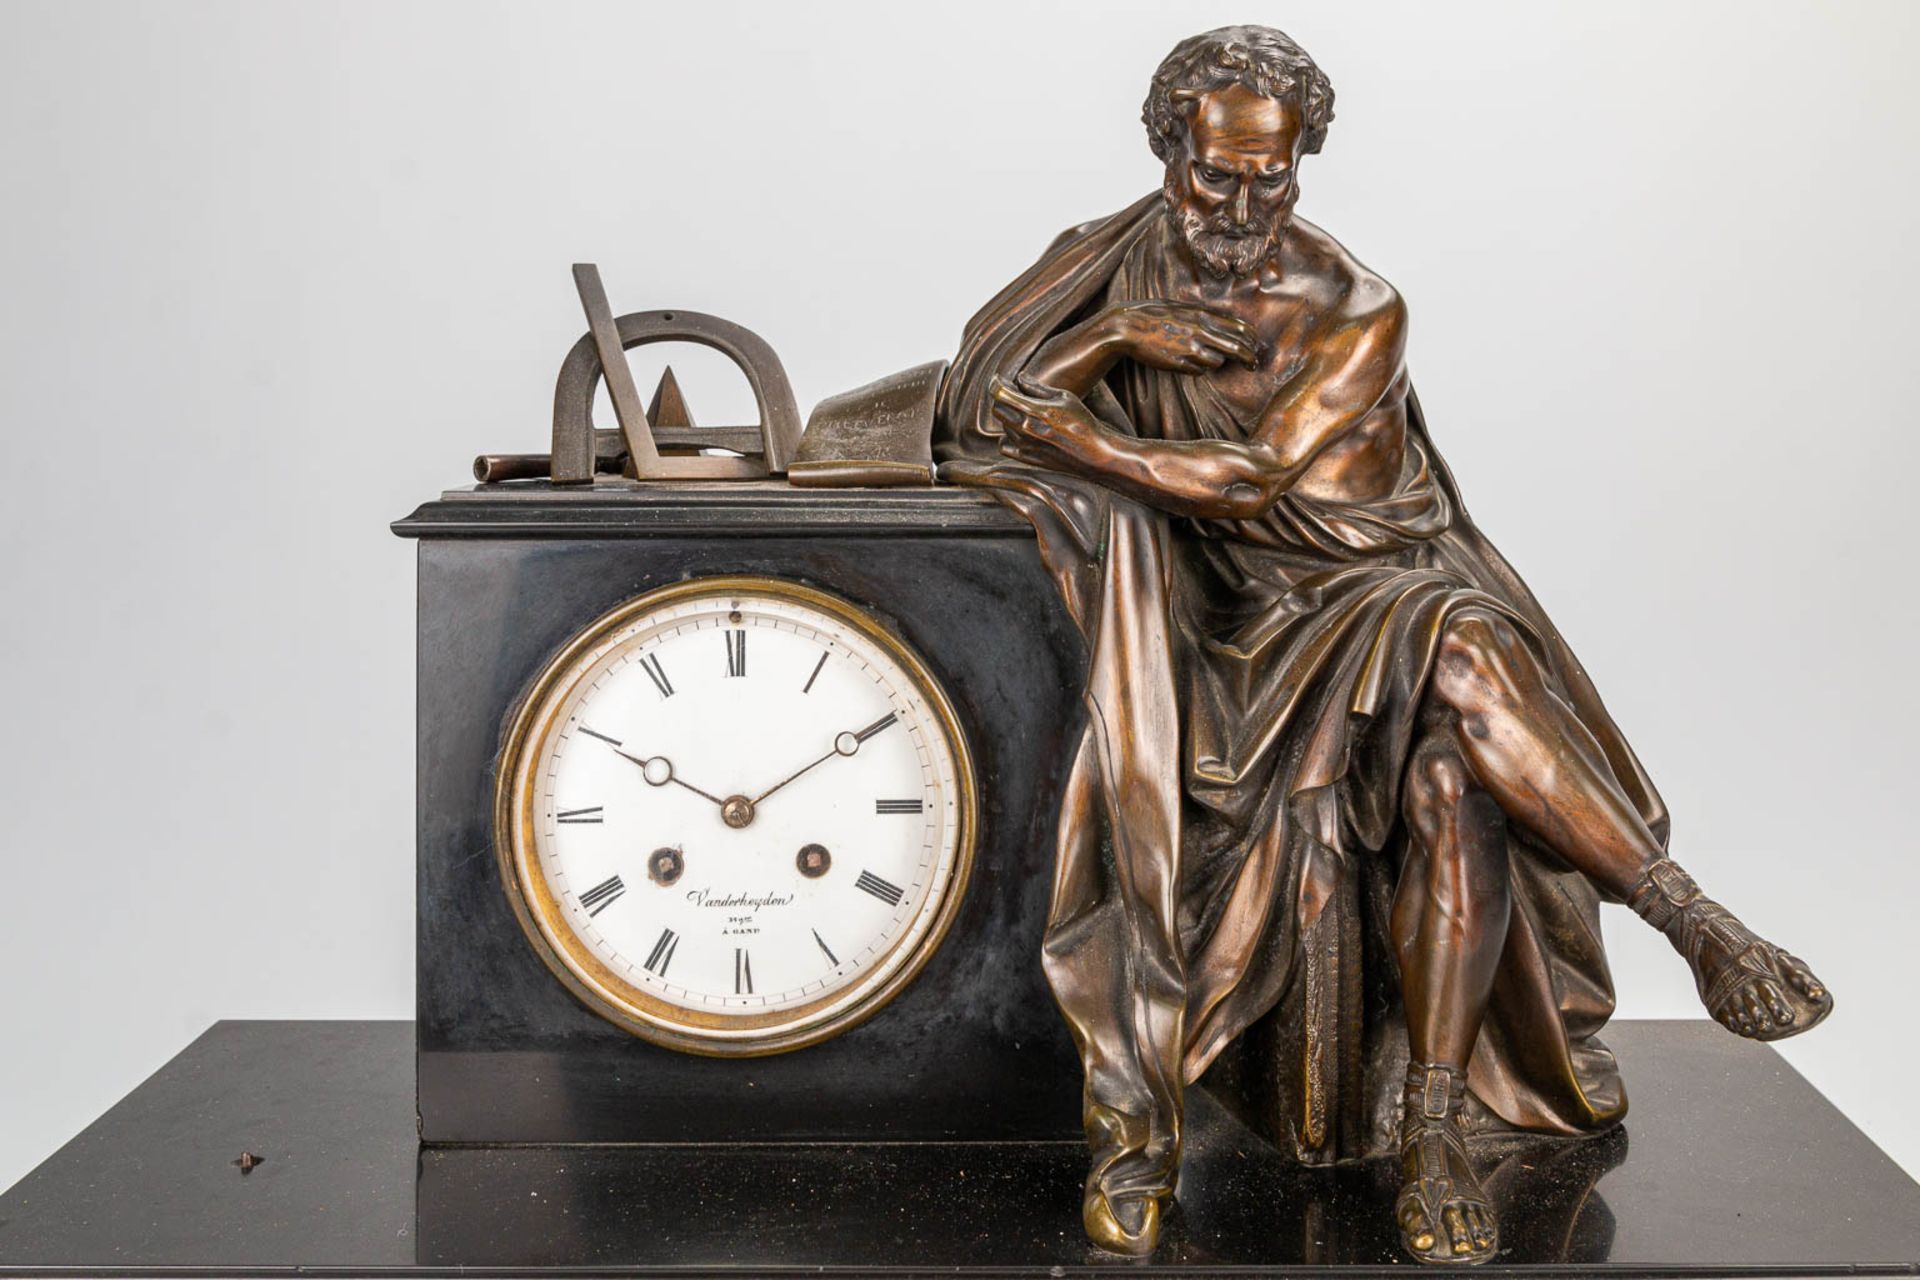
x=1346, y=805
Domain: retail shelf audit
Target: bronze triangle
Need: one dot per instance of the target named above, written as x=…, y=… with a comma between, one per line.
x=669, y=407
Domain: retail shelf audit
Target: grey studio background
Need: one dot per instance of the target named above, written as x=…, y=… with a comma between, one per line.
x=272, y=274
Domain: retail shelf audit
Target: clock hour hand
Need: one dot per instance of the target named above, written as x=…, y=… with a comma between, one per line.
x=844, y=744
x=658, y=771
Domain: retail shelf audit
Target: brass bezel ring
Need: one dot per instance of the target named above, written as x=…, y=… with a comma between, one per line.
x=541, y=916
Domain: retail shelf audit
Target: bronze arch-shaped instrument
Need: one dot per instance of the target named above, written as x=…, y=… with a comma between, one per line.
x=601, y=353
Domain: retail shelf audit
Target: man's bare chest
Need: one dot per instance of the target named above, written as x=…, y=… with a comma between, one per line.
x=1260, y=399
x=1287, y=327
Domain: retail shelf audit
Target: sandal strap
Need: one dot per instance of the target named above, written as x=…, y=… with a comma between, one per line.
x=1668, y=899
x=1430, y=1120
x=1663, y=892
x=1742, y=967
x=1430, y=1145
x=1435, y=1091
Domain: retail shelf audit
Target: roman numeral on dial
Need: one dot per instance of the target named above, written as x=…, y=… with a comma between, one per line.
x=603, y=895
x=885, y=890
x=899, y=806
x=662, y=954
x=832, y=959
x=808, y=686
x=651, y=665
x=742, y=972
x=736, y=653
x=596, y=814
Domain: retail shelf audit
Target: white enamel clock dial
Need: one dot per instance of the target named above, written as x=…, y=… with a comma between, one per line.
x=736, y=815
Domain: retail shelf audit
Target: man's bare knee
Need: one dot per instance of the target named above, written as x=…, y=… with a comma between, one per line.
x=1480, y=661
x=1437, y=783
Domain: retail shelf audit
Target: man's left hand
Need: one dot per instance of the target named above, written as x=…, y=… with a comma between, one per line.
x=1042, y=426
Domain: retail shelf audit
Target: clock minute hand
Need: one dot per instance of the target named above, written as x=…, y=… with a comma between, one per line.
x=844, y=744
x=795, y=774
x=658, y=771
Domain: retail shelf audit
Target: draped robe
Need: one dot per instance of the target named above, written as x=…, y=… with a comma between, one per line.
x=1230, y=831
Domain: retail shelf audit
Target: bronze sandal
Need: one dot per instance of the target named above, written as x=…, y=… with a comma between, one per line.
x=1443, y=1213
x=1750, y=986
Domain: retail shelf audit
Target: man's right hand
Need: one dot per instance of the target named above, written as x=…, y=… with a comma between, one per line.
x=1181, y=337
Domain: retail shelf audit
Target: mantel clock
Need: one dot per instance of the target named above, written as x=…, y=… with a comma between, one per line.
x=1322, y=806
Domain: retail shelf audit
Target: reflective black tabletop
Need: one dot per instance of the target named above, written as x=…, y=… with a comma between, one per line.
x=1730, y=1164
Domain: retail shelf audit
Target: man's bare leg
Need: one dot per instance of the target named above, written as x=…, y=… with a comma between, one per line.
x=1449, y=925
x=1528, y=749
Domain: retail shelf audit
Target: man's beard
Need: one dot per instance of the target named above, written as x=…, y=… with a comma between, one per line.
x=1221, y=248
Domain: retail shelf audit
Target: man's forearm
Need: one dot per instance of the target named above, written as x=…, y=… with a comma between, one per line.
x=1210, y=479
x=1074, y=361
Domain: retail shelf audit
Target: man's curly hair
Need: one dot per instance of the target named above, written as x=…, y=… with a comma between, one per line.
x=1260, y=58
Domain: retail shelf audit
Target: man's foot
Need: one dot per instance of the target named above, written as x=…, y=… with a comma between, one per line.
x=1750, y=986
x=1443, y=1213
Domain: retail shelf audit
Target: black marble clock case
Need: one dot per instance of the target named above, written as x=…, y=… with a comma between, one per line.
x=973, y=1049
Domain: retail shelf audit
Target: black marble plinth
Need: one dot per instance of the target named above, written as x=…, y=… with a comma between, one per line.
x=1731, y=1164
x=973, y=1049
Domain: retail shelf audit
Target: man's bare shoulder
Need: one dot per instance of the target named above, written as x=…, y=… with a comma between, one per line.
x=1340, y=282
